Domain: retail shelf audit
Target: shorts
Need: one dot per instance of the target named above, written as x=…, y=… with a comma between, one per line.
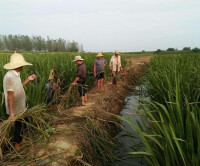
x=100, y=75
x=81, y=89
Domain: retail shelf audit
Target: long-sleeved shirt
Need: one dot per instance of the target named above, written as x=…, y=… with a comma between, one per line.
x=113, y=63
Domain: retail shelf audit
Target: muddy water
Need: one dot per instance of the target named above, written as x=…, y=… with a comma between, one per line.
x=128, y=140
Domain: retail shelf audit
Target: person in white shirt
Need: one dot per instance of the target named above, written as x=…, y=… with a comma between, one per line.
x=15, y=98
x=115, y=66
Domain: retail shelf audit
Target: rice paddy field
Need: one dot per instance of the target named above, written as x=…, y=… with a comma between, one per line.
x=42, y=64
x=40, y=119
x=170, y=127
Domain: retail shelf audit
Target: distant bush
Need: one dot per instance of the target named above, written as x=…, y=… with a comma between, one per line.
x=158, y=51
x=186, y=49
x=196, y=50
x=170, y=49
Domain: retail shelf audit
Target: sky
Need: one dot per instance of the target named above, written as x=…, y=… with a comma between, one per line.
x=106, y=25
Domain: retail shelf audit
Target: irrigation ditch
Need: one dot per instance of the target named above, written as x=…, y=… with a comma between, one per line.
x=85, y=135
x=127, y=138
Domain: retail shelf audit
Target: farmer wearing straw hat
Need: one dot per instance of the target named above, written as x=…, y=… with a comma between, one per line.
x=15, y=98
x=99, y=65
x=53, y=87
x=115, y=66
x=80, y=79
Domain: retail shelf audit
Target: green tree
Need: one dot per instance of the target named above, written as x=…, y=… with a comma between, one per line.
x=49, y=44
x=72, y=47
x=186, y=49
x=170, y=49
x=196, y=50
x=158, y=51
x=1, y=44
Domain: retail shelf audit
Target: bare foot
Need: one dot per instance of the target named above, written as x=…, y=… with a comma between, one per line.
x=17, y=146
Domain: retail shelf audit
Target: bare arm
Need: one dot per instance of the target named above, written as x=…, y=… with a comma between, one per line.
x=30, y=78
x=10, y=105
x=105, y=64
x=120, y=64
x=111, y=64
x=94, y=70
x=76, y=79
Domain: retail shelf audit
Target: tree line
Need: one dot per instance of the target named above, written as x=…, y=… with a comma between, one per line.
x=188, y=49
x=37, y=43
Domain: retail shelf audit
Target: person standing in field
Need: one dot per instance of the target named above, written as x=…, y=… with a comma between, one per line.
x=115, y=66
x=80, y=79
x=99, y=65
x=15, y=98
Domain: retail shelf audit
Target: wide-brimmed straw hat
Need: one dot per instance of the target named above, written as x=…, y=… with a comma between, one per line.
x=99, y=54
x=117, y=52
x=78, y=58
x=16, y=60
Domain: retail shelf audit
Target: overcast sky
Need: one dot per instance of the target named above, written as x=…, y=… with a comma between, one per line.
x=106, y=25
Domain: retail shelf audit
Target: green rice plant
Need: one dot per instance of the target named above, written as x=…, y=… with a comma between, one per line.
x=42, y=64
x=98, y=146
x=169, y=128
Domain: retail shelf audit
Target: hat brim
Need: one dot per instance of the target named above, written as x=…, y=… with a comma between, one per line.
x=99, y=56
x=16, y=65
x=78, y=60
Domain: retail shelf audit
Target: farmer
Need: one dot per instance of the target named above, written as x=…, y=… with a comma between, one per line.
x=80, y=79
x=99, y=65
x=15, y=98
x=53, y=88
x=115, y=66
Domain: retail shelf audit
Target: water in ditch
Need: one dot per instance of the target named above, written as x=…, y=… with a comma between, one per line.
x=128, y=140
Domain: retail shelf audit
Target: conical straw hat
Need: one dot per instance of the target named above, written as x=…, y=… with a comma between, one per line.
x=99, y=54
x=16, y=60
x=117, y=52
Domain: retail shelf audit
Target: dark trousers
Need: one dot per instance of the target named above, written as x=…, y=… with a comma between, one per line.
x=18, y=132
x=114, y=75
x=82, y=89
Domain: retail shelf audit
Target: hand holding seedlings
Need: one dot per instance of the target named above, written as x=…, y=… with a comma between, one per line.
x=11, y=117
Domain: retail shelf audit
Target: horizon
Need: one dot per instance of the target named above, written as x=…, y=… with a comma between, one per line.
x=105, y=26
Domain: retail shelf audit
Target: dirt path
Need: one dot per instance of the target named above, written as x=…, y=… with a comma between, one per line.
x=139, y=60
x=66, y=141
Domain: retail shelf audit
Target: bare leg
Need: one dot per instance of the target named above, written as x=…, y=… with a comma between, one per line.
x=82, y=100
x=99, y=85
x=85, y=97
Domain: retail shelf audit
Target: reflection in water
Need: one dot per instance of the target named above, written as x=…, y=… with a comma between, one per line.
x=127, y=138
